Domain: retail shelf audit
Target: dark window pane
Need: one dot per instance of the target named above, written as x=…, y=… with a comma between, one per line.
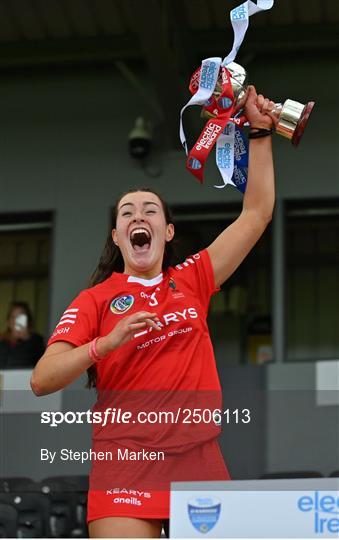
x=240, y=314
x=312, y=280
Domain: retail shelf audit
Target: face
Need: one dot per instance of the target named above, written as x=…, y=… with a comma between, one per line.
x=141, y=233
x=12, y=317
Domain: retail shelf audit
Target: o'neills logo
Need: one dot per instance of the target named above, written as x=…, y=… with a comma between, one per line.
x=208, y=137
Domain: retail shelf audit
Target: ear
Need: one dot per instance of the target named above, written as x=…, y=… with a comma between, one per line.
x=169, y=232
x=115, y=237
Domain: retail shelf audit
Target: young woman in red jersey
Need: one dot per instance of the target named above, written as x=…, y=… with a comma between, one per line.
x=141, y=332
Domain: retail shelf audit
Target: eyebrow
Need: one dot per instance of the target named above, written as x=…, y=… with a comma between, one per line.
x=144, y=204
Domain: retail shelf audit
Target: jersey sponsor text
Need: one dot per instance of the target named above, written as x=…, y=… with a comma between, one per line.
x=59, y=331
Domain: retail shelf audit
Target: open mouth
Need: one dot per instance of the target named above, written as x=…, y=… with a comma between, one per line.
x=140, y=239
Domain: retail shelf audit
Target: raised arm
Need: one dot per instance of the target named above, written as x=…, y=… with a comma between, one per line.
x=63, y=363
x=231, y=247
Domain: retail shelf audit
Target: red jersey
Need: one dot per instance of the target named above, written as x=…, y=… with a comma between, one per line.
x=180, y=357
x=171, y=370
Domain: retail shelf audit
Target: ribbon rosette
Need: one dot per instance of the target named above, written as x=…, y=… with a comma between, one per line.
x=220, y=108
x=211, y=88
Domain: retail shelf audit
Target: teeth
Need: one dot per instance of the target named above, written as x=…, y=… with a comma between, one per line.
x=140, y=231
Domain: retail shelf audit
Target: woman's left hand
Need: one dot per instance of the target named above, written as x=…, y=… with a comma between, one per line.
x=258, y=110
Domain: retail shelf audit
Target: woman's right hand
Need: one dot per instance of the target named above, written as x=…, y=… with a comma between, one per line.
x=258, y=110
x=125, y=329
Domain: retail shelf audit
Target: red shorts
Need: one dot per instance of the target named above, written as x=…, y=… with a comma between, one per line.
x=141, y=489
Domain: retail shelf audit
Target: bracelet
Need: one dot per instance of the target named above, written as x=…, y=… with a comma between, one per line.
x=259, y=133
x=92, y=351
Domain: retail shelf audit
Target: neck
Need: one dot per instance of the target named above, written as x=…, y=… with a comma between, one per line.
x=149, y=273
x=143, y=274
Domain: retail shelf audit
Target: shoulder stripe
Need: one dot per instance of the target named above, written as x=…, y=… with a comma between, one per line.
x=64, y=321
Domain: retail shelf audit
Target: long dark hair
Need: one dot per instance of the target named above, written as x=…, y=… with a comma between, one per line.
x=111, y=259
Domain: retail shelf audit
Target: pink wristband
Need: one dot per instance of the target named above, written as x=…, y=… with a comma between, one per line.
x=92, y=351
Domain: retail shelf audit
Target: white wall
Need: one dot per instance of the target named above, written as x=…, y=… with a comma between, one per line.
x=302, y=433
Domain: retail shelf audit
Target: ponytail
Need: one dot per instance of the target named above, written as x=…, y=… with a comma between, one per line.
x=110, y=261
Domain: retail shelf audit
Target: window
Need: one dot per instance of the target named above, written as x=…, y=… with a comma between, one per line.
x=240, y=315
x=25, y=243
x=312, y=280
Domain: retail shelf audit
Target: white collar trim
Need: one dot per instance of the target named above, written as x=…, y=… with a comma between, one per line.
x=145, y=282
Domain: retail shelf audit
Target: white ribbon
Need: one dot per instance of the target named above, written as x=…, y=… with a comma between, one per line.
x=240, y=19
x=207, y=81
x=225, y=154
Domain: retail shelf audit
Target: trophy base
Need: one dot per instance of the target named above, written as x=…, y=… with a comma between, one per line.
x=302, y=122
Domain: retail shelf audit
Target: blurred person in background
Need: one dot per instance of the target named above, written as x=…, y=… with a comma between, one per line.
x=20, y=346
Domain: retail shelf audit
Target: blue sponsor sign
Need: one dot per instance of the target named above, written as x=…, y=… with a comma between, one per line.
x=204, y=513
x=323, y=510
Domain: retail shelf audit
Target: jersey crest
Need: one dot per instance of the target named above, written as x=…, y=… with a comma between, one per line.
x=121, y=304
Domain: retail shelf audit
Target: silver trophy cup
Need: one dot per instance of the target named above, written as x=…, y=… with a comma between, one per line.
x=292, y=116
